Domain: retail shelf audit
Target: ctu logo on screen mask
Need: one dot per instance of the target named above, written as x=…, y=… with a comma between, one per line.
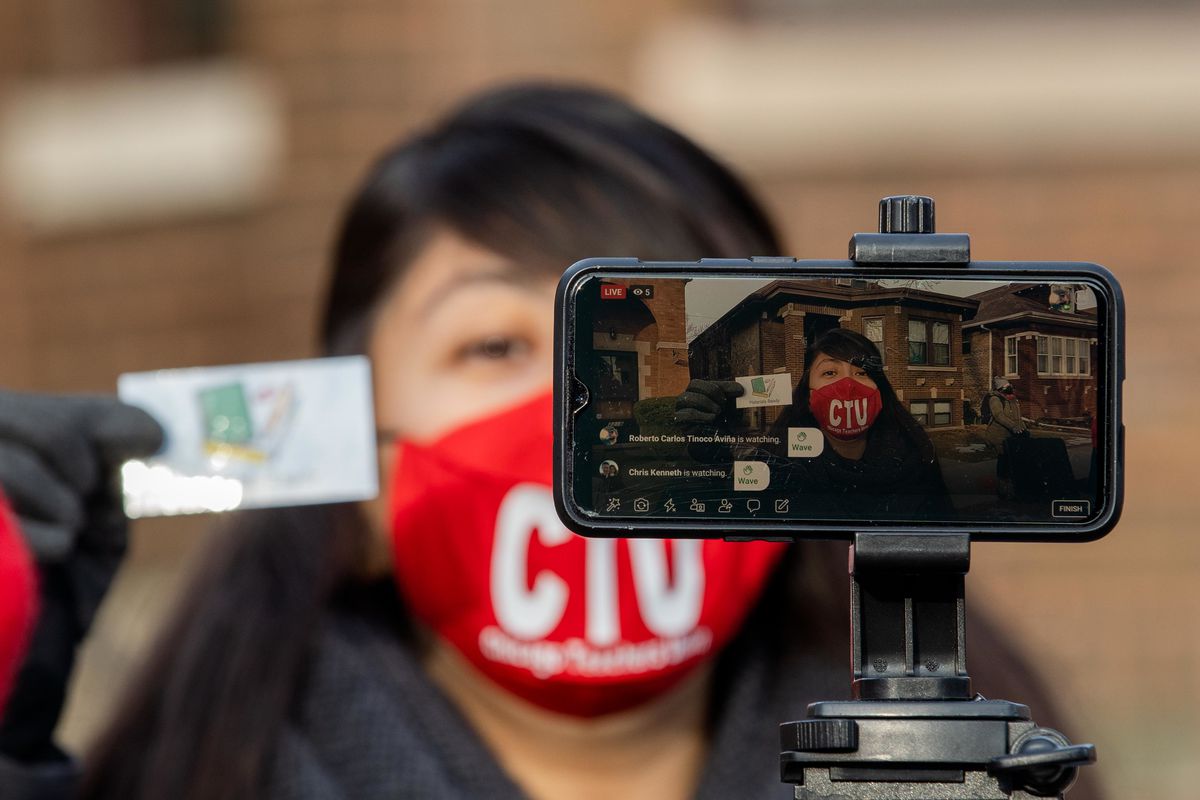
x=846, y=408
x=575, y=625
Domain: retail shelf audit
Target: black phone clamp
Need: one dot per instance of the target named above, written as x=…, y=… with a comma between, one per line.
x=915, y=731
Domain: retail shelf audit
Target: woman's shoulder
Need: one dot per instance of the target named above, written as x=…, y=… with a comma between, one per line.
x=368, y=723
x=45, y=780
x=347, y=723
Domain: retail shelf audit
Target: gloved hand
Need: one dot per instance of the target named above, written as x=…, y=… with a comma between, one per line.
x=706, y=402
x=58, y=456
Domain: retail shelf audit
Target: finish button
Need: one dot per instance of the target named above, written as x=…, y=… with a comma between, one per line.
x=1071, y=509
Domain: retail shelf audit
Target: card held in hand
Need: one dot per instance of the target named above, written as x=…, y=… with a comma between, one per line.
x=254, y=436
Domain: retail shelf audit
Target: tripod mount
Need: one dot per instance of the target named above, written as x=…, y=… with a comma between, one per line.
x=915, y=731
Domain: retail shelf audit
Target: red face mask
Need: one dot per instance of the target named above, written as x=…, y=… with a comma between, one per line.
x=578, y=626
x=846, y=408
x=18, y=599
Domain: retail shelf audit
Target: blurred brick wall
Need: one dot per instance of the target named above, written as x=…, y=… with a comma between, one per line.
x=356, y=76
x=1114, y=621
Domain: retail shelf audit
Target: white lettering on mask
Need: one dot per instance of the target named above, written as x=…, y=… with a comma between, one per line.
x=835, y=419
x=860, y=411
x=669, y=608
x=523, y=612
x=854, y=410
x=601, y=621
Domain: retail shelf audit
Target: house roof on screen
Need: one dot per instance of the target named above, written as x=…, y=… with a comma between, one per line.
x=1021, y=301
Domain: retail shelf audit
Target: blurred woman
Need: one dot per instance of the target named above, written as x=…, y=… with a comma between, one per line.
x=516, y=660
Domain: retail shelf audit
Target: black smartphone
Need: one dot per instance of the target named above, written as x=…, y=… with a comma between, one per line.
x=777, y=398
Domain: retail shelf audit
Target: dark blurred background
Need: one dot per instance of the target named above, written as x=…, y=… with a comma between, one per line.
x=171, y=173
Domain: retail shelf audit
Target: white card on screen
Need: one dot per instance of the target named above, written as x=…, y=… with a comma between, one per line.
x=765, y=390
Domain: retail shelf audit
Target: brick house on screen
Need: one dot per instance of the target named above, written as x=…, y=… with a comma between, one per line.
x=1046, y=352
x=640, y=341
x=918, y=332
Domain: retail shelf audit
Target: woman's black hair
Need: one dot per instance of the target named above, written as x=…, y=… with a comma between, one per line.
x=851, y=346
x=545, y=175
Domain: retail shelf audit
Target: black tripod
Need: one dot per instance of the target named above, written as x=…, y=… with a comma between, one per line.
x=915, y=732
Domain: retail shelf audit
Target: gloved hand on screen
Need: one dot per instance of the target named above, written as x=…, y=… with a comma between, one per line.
x=704, y=402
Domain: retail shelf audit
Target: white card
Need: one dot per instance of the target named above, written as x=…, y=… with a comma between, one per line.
x=765, y=390
x=254, y=435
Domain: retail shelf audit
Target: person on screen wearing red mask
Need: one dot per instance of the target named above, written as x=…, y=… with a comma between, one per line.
x=453, y=640
x=878, y=462
x=874, y=460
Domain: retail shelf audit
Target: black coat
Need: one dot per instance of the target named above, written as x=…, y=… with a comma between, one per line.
x=898, y=478
x=369, y=723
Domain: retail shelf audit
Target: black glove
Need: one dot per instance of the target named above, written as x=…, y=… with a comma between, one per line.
x=706, y=402
x=58, y=455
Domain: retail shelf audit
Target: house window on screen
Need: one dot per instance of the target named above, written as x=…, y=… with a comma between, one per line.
x=941, y=412
x=941, y=342
x=918, y=346
x=1063, y=356
x=873, y=330
x=929, y=342
x=1010, y=356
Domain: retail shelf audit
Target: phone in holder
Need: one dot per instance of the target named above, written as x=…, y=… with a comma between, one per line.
x=908, y=389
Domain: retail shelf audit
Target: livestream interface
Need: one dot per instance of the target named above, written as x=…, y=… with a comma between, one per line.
x=838, y=399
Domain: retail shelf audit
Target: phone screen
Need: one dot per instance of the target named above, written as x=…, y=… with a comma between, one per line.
x=858, y=400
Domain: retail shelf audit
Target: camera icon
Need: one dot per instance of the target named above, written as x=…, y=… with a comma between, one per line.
x=641, y=504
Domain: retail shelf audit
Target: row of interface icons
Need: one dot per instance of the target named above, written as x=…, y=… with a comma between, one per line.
x=642, y=506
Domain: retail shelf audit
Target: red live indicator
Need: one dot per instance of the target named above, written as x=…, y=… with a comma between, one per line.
x=610, y=291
